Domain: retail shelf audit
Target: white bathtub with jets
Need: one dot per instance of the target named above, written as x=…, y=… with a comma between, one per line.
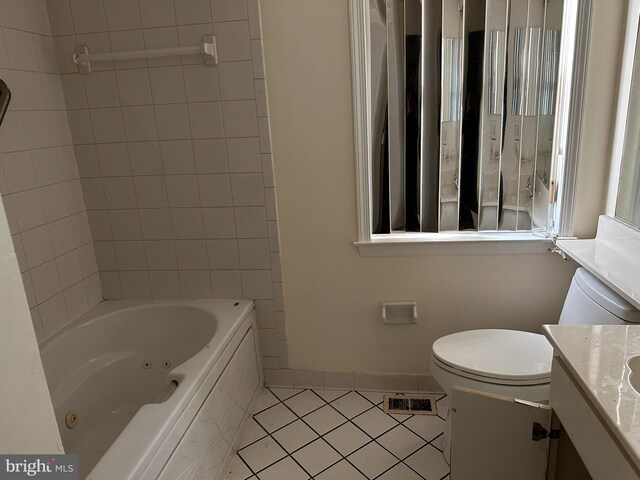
x=154, y=390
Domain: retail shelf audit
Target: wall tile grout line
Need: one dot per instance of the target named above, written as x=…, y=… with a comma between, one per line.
x=135, y=194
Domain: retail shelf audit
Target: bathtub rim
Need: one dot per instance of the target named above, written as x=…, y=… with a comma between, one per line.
x=108, y=308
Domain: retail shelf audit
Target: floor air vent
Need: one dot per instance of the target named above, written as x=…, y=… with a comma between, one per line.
x=410, y=404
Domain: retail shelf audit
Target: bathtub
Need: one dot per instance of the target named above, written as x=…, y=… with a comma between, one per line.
x=154, y=390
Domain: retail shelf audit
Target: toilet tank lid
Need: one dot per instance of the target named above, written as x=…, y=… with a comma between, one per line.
x=605, y=297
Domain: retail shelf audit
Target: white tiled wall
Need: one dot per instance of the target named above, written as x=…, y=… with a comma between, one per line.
x=175, y=157
x=39, y=177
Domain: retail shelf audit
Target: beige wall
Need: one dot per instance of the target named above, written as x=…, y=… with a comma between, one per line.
x=332, y=294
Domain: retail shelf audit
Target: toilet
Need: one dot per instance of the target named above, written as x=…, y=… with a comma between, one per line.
x=517, y=364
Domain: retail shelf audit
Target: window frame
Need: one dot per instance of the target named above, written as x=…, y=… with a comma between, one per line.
x=613, y=255
x=631, y=38
x=565, y=159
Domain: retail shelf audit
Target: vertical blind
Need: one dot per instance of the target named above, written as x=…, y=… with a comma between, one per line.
x=463, y=102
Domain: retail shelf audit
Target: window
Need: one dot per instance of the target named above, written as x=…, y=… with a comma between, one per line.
x=467, y=120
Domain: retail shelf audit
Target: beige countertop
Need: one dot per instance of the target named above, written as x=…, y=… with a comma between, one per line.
x=596, y=356
x=613, y=256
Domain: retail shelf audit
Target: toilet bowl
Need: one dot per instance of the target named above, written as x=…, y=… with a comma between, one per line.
x=517, y=364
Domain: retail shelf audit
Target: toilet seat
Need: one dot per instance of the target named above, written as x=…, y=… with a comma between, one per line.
x=503, y=357
x=486, y=379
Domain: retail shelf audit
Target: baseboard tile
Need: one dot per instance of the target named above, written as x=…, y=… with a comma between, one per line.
x=377, y=382
x=278, y=378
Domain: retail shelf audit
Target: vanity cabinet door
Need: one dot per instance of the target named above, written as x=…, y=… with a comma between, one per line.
x=498, y=438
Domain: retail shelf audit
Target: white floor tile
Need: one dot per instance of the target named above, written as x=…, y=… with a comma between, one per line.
x=400, y=472
x=428, y=462
x=324, y=419
x=294, y=436
x=284, y=469
x=372, y=460
x=438, y=443
x=351, y=404
x=251, y=432
x=401, y=441
x=313, y=457
x=304, y=403
x=443, y=407
x=237, y=470
x=316, y=456
x=342, y=470
x=262, y=453
x=265, y=400
x=374, y=397
x=427, y=426
x=284, y=393
x=375, y=422
x=275, y=417
x=330, y=395
x=347, y=438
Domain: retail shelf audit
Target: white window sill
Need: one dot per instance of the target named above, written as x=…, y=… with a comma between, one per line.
x=454, y=243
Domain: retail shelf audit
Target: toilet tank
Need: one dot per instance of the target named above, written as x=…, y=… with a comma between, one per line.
x=591, y=302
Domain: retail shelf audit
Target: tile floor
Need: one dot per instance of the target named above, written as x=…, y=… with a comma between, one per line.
x=301, y=434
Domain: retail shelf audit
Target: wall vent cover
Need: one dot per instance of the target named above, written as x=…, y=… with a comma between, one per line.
x=410, y=404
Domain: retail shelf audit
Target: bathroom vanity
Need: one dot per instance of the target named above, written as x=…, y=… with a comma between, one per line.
x=594, y=393
x=589, y=429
